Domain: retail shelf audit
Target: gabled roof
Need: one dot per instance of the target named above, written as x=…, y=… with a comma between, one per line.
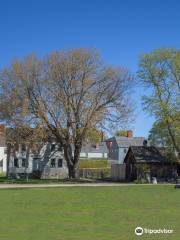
x=126, y=142
x=90, y=148
x=147, y=154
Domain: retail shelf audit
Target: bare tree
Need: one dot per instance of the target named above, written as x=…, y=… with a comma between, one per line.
x=67, y=93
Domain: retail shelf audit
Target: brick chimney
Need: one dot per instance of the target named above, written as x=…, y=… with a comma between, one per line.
x=97, y=145
x=129, y=133
x=109, y=146
x=2, y=128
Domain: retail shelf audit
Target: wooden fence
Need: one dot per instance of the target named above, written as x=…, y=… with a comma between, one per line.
x=94, y=172
x=118, y=172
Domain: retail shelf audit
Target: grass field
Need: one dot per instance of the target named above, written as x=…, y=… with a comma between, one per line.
x=89, y=213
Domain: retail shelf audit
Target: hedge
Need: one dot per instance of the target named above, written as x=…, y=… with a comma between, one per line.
x=93, y=163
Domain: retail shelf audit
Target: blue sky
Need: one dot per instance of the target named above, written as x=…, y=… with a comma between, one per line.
x=120, y=29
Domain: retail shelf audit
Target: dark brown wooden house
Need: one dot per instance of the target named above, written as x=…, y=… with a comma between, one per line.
x=149, y=158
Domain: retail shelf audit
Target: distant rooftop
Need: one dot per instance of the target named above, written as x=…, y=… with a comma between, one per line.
x=128, y=141
x=92, y=148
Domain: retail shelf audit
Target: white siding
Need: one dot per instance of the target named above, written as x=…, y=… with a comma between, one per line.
x=122, y=154
x=3, y=157
x=95, y=155
x=82, y=154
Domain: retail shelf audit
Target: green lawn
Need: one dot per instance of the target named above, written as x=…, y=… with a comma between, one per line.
x=89, y=213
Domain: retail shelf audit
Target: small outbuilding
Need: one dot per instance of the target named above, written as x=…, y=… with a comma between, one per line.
x=147, y=159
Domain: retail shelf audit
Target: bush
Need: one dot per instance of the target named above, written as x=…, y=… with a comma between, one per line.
x=93, y=163
x=2, y=174
x=106, y=173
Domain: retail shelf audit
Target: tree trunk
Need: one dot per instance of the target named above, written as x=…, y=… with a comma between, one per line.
x=69, y=159
x=8, y=159
x=72, y=172
x=176, y=147
x=72, y=159
x=27, y=163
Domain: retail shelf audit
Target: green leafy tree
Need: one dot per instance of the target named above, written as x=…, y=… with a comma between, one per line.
x=159, y=136
x=119, y=133
x=159, y=72
x=94, y=135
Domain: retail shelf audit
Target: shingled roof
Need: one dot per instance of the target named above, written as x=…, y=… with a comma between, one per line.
x=147, y=154
x=90, y=148
x=126, y=142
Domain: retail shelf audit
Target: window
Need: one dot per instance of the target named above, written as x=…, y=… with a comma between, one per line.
x=1, y=163
x=53, y=147
x=36, y=164
x=24, y=162
x=60, y=148
x=60, y=162
x=16, y=162
x=53, y=163
x=23, y=147
x=125, y=150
